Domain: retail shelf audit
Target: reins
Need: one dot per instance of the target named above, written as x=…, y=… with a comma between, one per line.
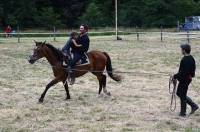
x=123, y=72
x=173, y=82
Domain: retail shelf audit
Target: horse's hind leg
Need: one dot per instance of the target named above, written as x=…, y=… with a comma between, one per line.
x=104, y=85
x=99, y=77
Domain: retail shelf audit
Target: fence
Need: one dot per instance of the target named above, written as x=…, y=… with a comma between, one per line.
x=187, y=36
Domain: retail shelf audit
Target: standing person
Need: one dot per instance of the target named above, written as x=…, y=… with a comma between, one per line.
x=184, y=76
x=8, y=31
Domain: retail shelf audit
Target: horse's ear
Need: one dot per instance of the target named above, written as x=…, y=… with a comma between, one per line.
x=43, y=43
x=36, y=43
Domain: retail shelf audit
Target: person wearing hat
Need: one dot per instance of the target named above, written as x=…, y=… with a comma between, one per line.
x=184, y=76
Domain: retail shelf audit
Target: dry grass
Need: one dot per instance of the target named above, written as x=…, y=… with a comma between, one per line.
x=138, y=103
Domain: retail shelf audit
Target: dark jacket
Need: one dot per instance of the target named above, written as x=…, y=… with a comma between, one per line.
x=70, y=47
x=186, y=69
x=85, y=42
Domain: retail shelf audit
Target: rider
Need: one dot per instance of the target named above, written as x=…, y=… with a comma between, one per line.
x=81, y=46
x=71, y=45
x=184, y=76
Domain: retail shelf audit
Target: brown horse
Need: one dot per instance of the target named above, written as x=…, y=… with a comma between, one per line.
x=98, y=62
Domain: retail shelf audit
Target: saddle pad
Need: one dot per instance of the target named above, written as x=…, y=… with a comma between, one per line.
x=84, y=60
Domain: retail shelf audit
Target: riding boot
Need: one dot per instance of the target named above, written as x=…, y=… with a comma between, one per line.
x=183, y=108
x=65, y=60
x=71, y=77
x=194, y=106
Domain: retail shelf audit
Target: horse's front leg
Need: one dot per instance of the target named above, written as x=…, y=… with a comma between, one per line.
x=66, y=89
x=54, y=81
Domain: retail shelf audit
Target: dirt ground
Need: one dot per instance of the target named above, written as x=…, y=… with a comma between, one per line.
x=139, y=103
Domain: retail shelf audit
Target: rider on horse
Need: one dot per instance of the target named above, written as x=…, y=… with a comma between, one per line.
x=79, y=46
x=71, y=46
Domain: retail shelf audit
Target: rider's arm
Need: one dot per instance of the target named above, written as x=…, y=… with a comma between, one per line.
x=84, y=41
x=77, y=45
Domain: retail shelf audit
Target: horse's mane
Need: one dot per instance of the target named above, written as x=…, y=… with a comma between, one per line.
x=56, y=51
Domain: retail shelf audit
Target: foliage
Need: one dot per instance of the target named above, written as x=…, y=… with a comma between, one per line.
x=96, y=13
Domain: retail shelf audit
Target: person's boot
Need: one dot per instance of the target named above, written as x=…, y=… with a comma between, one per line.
x=65, y=60
x=65, y=63
x=194, y=109
x=183, y=108
x=71, y=77
x=194, y=106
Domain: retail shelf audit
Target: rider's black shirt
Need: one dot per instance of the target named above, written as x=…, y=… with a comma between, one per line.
x=84, y=41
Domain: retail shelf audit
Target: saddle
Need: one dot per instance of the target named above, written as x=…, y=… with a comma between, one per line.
x=84, y=60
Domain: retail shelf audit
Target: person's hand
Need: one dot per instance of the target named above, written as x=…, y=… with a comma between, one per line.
x=174, y=80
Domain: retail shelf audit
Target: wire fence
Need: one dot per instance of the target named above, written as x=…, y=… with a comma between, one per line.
x=162, y=35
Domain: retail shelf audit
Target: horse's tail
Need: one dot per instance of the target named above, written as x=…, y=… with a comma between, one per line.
x=109, y=69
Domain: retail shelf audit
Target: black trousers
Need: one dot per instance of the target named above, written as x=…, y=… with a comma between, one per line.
x=75, y=59
x=182, y=94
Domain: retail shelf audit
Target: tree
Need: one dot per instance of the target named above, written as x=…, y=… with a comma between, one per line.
x=131, y=13
x=92, y=16
x=70, y=13
x=99, y=14
x=46, y=17
x=69, y=10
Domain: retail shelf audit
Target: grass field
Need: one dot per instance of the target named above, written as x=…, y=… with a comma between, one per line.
x=138, y=103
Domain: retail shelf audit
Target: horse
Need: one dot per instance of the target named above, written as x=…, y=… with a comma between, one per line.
x=98, y=62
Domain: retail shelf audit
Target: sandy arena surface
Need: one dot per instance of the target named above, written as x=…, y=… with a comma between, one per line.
x=139, y=103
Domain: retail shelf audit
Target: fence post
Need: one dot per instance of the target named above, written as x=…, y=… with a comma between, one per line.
x=188, y=37
x=178, y=26
x=18, y=34
x=161, y=33
x=54, y=33
x=138, y=36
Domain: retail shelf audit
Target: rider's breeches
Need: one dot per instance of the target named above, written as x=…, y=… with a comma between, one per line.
x=75, y=59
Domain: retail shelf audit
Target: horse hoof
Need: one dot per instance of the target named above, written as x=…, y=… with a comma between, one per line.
x=67, y=98
x=109, y=94
x=40, y=100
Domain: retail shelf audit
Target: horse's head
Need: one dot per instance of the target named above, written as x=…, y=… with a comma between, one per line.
x=37, y=52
